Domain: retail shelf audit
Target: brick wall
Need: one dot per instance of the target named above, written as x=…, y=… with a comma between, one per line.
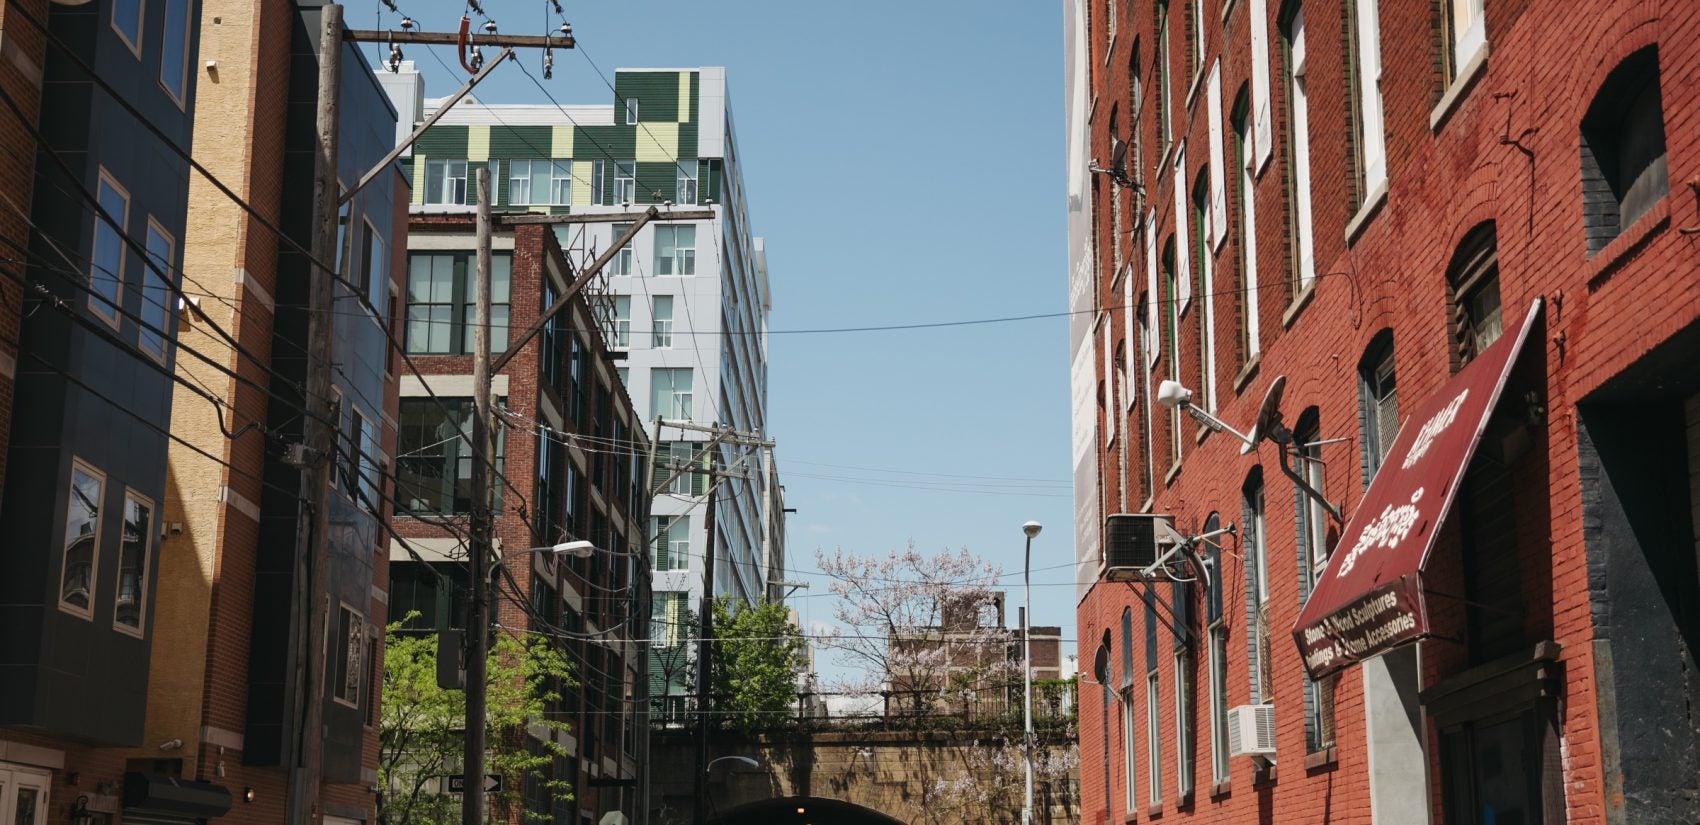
x=1507, y=151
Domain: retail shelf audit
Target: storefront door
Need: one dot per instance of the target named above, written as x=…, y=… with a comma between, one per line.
x=23, y=795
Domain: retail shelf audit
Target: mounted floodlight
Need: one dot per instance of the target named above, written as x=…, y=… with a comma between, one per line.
x=1171, y=394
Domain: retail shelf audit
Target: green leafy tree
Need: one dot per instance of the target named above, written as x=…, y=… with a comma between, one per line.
x=758, y=654
x=421, y=724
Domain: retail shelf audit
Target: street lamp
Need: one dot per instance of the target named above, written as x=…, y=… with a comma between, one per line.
x=747, y=761
x=1032, y=529
x=577, y=549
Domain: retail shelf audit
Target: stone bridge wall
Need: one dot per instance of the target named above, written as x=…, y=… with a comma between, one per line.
x=896, y=773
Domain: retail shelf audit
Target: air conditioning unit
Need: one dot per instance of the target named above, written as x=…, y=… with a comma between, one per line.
x=1133, y=542
x=1251, y=732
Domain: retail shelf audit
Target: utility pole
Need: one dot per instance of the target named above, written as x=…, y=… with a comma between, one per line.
x=313, y=522
x=478, y=624
x=705, y=627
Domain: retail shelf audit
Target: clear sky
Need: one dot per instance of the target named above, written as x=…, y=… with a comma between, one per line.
x=904, y=161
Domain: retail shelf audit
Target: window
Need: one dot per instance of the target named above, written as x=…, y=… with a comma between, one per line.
x=1623, y=149
x=1171, y=345
x=676, y=455
x=675, y=250
x=661, y=322
x=1153, y=743
x=1165, y=103
x=1473, y=283
x=1129, y=800
x=625, y=181
x=369, y=271
x=686, y=191
x=631, y=111
x=445, y=181
x=537, y=182
x=154, y=315
x=1301, y=256
x=106, y=275
x=1206, y=289
x=667, y=619
x=1215, y=620
x=350, y=656
x=1197, y=39
x=1313, y=558
x=1245, y=226
x=82, y=540
x=174, y=49
x=1363, y=66
x=350, y=460
x=134, y=549
x=670, y=392
x=441, y=306
x=367, y=482
x=1183, y=722
x=617, y=310
x=1378, y=401
x=672, y=540
x=434, y=455
x=1257, y=593
x=1464, y=31
x=621, y=263
x=598, y=179
x=127, y=21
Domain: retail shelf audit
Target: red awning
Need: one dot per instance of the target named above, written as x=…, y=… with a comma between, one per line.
x=1369, y=599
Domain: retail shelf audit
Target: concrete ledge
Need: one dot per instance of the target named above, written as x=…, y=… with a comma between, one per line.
x=31, y=755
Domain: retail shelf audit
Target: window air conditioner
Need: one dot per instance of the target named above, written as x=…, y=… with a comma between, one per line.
x=1251, y=732
x=1132, y=543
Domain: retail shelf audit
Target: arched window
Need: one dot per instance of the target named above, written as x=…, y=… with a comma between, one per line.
x=1623, y=149
x=1378, y=406
x=1472, y=281
x=1245, y=229
x=1301, y=254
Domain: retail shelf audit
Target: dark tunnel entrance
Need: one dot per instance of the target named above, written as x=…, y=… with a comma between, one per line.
x=801, y=810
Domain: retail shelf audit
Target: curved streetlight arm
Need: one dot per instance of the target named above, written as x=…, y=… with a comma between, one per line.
x=744, y=759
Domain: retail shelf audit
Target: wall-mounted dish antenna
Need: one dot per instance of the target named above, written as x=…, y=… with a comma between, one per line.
x=1270, y=426
x=1268, y=415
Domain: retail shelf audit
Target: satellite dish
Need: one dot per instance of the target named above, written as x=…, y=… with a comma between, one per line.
x=1118, y=153
x=1268, y=414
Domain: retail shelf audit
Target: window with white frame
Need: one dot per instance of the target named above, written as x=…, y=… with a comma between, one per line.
x=1300, y=246
x=670, y=392
x=1363, y=27
x=672, y=541
x=350, y=656
x=445, y=181
x=82, y=540
x=174, y=50
x=1130, y=801
x=1245, y=227
x=598, y=180
x=134, y=550
x=631, y=111
x=667, y=619
x=686, y=190
x=1215, y=622
x=1464, y=29
x=366, y=483
x=621, y=263
x=1206, y=293
x=675, y=249
x=1183, y=722
x=618, y=311
x=661, y=322
x=1165, y=100
x=127, y=21
x=560, y=182
x=1197, y=39
x=106, y=264
x=1172, y=344
x=155, y=315
x=625, y=181
x=539, y=182
x=1259, y=622
x=1153, y=743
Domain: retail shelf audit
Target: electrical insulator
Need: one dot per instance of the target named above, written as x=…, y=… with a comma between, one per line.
x=566, y=30
x=407, y=24
x=489, y=27
x=395, y=59
x=548, y=63
x=477, y=58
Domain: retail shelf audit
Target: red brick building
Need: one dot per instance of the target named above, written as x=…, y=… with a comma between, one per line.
x=1368, y=197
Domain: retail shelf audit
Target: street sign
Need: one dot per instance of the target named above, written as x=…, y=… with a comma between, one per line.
x=492, y=783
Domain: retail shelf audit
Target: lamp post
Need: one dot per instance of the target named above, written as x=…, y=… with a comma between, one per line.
x=1032, y=529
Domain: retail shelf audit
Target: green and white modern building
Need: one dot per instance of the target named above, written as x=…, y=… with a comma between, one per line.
x=686, y=302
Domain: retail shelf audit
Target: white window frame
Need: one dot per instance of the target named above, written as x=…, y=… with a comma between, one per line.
x=1300, y=135
x=661, y=329
x=79, y=465
x=560, y=182
x=149, y=536
x=1218, y=170
x=134, y=43
x=1197, y=38
x=1219, y=769
x=181, y=95
x=1184, y=733
x=621, y=264
x=1248, y=237
x=1183, y=249
x=1207, y=311
x=446, y=192
x=96, y=300
x=625, y=182
x=149, y=280
x=687, y=187
x=631, y=111
x=1373, y=149
x=1261, y=128
x=1466, y=40
x=1153, y=742
x=1130, y=767
x=16, y=778
x=620, y=320
x=365, y=457
x=517, y=181
x=349, y=656
x=679, y=262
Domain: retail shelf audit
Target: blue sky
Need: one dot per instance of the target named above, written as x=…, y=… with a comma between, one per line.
x=904, y=162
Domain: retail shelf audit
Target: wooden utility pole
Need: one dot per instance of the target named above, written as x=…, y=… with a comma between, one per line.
x=478, y=624
x=705, y=627
x=313, y=523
